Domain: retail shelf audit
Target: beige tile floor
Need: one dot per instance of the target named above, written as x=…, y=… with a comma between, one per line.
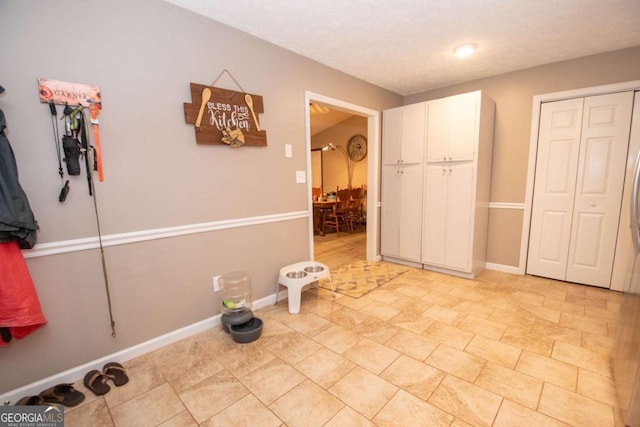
x=424, y=349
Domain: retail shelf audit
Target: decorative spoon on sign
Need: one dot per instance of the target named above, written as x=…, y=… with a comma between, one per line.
x=249, y=101
x=206, y=95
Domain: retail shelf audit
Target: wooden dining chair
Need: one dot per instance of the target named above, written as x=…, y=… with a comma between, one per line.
x=340, y=216
x=356, y=208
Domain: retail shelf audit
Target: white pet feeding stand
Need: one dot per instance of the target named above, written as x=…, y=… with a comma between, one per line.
x=297, y=276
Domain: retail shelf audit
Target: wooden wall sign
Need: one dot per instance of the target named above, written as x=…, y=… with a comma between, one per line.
x=225, y=117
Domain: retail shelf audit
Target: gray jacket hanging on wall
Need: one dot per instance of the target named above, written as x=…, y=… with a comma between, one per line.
x=17, y=221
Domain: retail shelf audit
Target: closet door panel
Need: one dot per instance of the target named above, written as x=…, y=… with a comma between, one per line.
x=554, y=188
x=598, y=197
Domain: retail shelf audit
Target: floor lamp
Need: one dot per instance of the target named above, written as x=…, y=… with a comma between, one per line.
x=331, y=146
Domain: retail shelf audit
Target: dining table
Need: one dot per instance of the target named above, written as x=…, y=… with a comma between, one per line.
x=320, y=208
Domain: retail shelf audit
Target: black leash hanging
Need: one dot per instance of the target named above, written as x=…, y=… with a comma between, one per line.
x=89, y=163
x=77, y=142
x=104, y=264
x=56, y=141
x=56, y=137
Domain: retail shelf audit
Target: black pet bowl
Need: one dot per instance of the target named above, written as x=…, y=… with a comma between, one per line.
x=247, y=332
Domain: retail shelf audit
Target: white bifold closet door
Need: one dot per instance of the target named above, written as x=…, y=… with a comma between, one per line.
x=580, y=168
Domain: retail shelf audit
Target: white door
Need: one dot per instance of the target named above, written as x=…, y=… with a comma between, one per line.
x=601, y=168
x=554, y=187
x=582, y=148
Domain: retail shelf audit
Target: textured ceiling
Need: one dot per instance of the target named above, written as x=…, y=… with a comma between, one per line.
x=406, y=45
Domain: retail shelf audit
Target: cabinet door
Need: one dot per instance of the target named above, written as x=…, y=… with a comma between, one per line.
x=413, y=133
x=402, y=212
x=390, y=213
x=410, y=235
x=463, y=110
x=391, y=136
x=459, y=216
x=452, y=128
x=434, y=215
x=438, y=128
x=403, y=134
x=447, y=216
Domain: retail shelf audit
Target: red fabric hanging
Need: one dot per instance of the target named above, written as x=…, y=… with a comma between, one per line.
x=19, y=305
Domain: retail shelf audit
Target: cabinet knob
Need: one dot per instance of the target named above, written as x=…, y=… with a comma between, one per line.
x=444, y=158
x=592, y=204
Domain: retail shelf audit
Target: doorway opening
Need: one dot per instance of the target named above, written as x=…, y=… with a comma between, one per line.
x=371, y=233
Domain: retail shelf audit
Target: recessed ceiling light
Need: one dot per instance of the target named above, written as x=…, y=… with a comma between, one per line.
x=465, y=49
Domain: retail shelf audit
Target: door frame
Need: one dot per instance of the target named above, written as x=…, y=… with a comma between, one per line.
x=373, y=168
x=538, y=100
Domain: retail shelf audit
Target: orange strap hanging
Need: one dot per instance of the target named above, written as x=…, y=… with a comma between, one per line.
x=95, y=111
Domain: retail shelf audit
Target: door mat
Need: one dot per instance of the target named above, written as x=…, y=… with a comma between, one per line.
x=362, y=277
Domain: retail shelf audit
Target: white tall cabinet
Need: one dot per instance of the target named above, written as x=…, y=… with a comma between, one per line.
x=402, y=181
x=455, y=169
x=457, y=183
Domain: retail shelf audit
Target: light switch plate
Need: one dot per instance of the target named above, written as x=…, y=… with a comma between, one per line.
x=301, y=177
x=288, y=152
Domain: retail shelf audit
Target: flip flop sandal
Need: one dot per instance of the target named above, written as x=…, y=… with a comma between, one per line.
x=63, y=394
x=30, y=400
x=96, y=381
x=116, y=372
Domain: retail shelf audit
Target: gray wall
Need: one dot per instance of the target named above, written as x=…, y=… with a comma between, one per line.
x=513, y=94
x=143, y=54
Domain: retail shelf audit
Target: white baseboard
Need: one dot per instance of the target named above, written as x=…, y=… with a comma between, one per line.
x=77, y=373
x=503, y=268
